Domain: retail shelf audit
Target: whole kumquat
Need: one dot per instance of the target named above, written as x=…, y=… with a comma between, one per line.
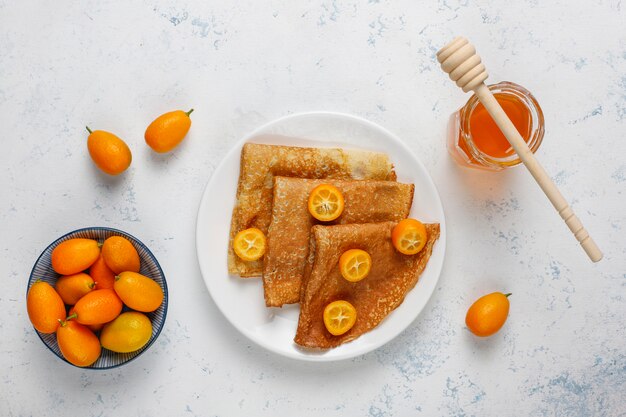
x=72, y=288
x=45, y=307
x=102, y=274
x=138, y=291
x=488, y=314
x=120, y=255
x=129, y=332
x=168, y=130
x=79, y=345
x=108, y=152
x=74, y=255
x=99, y=306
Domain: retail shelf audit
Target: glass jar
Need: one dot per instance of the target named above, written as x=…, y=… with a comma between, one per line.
x=475, y=141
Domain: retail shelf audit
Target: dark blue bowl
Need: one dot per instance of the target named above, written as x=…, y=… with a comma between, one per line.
x=42, y=270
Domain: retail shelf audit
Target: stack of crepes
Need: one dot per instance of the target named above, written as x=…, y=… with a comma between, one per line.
x=300, y=262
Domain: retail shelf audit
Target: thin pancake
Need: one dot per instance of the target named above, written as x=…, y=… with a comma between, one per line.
x=392, y=276
x=289, y=232
x=259, y=164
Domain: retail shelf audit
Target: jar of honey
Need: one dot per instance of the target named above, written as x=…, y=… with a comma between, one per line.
x=474, y=139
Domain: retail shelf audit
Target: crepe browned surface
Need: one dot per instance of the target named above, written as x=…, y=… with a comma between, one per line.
x=366, y=201
x=391, y=277
x=259, y=165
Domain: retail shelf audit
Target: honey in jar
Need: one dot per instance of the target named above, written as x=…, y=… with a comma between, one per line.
x=474, y=139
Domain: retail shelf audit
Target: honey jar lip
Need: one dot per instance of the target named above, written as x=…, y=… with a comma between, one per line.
x=537, y=125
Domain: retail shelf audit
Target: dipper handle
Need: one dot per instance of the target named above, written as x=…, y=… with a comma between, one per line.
x=460, y=61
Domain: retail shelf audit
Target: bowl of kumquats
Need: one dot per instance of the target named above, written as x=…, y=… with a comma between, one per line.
x=97, y=297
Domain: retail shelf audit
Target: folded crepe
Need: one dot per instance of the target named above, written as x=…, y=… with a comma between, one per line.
x=391, y=277
x=259, y=165
x=288, y=236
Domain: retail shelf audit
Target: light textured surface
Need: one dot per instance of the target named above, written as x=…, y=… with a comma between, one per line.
x=116, y=65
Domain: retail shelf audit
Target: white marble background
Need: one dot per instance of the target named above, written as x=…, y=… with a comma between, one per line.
x=115, y=65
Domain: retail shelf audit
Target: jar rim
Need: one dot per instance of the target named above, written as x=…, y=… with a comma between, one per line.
x=537, y=127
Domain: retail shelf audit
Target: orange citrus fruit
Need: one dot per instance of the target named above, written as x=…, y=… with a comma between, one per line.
x=108, y=152
x=99, y=306
x=138, y=291
x=355, y=264
x=102, y=274
x=78, y=344
x=72, y=288
x=488, y=314
x=93, y=327
x=45, y=307
x=129, y=332
x=74, y=255
x=120, y=255
x=249, y=244
x=409, y=236
x=325, y=202
x=168, y=130
x=339, y=317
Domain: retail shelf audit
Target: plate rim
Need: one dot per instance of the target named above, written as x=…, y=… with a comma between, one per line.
x=237, y=146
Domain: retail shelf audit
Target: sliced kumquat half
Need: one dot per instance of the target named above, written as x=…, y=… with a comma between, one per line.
x=339, y=317
x=325, y=202
x=249, y=244
x=409, y=236
x=355, y=264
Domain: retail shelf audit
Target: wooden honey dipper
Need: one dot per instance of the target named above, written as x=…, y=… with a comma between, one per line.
x=460, y=61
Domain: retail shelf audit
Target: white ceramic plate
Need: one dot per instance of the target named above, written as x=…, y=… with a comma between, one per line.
x=241, y=300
